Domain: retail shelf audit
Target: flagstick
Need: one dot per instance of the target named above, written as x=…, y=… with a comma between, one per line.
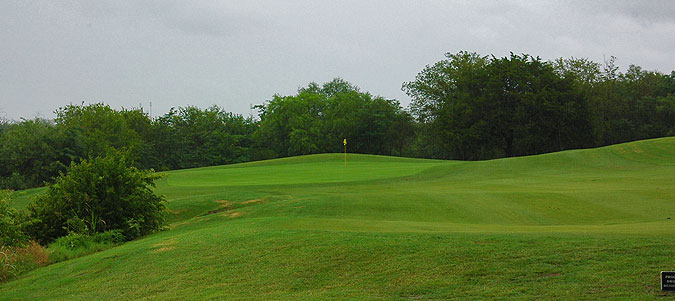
x=345, y=143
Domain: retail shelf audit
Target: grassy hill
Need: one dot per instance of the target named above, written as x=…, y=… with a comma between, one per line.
x=576, y=224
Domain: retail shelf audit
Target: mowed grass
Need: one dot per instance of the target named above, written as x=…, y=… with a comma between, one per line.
x=312, y=169
x=583, y=224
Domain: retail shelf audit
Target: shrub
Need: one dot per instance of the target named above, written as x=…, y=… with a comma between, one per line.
x=97, y=195
x=10, y=222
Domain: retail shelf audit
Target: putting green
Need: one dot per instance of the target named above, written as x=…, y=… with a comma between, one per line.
x=313, y=169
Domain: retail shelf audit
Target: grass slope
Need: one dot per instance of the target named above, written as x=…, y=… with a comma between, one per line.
x=581, y=224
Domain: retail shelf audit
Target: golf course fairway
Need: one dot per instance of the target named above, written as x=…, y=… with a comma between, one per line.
x=581, y=224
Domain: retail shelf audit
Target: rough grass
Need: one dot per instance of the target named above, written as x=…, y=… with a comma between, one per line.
x=19, y=259
x=583, y=224
x=76, y=245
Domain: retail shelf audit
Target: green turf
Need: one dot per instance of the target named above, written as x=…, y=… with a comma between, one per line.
x=583, y=224
x=22, y=198
x=302, y=170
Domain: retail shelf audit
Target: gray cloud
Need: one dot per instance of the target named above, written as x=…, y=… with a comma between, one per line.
x=234, y=53
x=645, y=12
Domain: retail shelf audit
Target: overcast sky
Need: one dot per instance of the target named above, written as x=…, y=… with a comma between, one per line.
x=237, y=53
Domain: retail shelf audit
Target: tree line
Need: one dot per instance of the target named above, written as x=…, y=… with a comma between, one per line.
x=467, y=107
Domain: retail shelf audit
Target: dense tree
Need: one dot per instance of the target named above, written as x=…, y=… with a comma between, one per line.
x=446, y=97
x=318, y=118
x=100, y=128
x=623, y=107
x=291, y=125
x=191, y=137
x=535, y=110
x=479, y=107
x=34, y=151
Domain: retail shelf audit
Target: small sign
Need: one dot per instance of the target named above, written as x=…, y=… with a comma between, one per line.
x=668, y=280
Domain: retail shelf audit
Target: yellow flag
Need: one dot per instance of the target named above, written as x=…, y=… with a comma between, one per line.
x=345, y=141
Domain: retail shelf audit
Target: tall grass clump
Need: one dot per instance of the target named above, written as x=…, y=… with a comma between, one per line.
x=19, y=259
x=17, y=254
x=76, y=245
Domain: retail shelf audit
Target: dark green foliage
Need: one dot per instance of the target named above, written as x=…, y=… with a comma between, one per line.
x=34, y=151
x=191, y=137
x=479, y=107
x=318, y=118
x=97, y=195
x=11, y=233
x=636, y=105
x=98, y=128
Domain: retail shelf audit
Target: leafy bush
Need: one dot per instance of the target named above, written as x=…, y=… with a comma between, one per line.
x=75, y=245
x=98, y=195
x=10, y=222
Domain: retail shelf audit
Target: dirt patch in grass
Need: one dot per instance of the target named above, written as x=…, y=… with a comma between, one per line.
x=163, y=249
x=181, y=223
x=252, y=201
x=173, y=211
x=164, y=246
x=224, y=203
x=168, y=242
x=81, y=274
x=224, y=206
x=221, y=209
x=233, y=214
x=227, y=206
x=550, y=275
